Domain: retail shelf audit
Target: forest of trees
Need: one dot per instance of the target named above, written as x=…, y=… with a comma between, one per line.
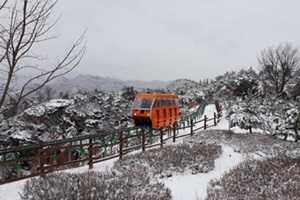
x=267, y=99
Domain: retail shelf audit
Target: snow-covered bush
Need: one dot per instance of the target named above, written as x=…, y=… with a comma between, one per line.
x=255, y=144
x=190, y=157
x=281, y=118
x=273, y=178
x=245, y=114
x=94, y=186
x=133, y=177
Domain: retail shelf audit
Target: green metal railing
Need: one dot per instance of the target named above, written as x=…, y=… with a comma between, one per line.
x=198, y=113
x=100, y=140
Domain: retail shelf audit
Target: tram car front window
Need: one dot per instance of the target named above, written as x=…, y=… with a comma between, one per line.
x=142, y=103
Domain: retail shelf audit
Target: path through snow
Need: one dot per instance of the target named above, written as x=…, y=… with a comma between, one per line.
x=194, y=186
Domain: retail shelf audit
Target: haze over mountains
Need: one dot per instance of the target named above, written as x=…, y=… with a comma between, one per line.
x=90, y=82
x=75, y=81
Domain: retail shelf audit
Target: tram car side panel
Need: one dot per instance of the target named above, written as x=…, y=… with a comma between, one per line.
x=155, y=110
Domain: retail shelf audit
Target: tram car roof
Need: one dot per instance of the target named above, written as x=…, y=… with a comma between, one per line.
x=159, y=95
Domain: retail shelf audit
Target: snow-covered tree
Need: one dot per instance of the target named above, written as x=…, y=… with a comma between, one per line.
x=245, y=114
x=128, y=93
x=280, y=65
x=236, y=84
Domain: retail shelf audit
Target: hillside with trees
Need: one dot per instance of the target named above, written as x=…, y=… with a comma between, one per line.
x=267, y=99
x=252, y=100
x=32, y=108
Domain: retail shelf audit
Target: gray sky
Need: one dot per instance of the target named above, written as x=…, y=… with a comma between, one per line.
x=171, y=39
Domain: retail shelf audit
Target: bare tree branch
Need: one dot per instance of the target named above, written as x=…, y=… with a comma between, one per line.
x=70, y=60
x=3, y=4
x=28, y=25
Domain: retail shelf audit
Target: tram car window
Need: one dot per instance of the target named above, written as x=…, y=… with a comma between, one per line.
x=155, y=110
x=142, y=103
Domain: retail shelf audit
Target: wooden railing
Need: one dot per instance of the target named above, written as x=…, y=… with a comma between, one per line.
x=45, y=157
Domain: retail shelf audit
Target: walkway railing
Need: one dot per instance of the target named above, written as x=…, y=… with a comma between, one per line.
x=44, y=157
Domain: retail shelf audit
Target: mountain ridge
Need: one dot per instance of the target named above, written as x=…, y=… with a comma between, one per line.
x=92, y=82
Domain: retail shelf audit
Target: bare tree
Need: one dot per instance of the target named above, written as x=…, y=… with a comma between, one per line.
x=24, y=24
x=280, y=65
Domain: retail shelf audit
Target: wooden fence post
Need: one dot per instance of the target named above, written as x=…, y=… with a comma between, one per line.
x=3, y=166
x=161, y=138
x=90, y=152
x=192, y=127
x=40, y=159
x=2, y=172
x=215, y=119
x=121, y=145
x=54, y=157
x=143, y=139
x=174, y=132
x=205, y=120
x=69, y=152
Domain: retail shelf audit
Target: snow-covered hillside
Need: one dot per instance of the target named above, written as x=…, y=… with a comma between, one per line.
x=86, y=112
x=65, y=118
x=238, y=151
x=182, y=186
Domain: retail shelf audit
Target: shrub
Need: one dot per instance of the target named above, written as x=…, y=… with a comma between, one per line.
x=255, y=144
x=272, y=178
x=94, y=185
x=182, y=158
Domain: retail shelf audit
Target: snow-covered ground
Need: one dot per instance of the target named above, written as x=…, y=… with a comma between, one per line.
x=194, y=186
x=182, y=186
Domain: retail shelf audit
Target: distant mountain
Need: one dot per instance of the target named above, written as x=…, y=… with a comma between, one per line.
x=89, y=82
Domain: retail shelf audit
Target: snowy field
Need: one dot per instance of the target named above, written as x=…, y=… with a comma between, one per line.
x=182, y=186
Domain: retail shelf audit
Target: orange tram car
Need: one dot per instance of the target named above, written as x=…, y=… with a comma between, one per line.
x=155, y=110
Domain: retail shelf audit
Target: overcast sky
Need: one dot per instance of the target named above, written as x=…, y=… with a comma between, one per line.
x=171, y=39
